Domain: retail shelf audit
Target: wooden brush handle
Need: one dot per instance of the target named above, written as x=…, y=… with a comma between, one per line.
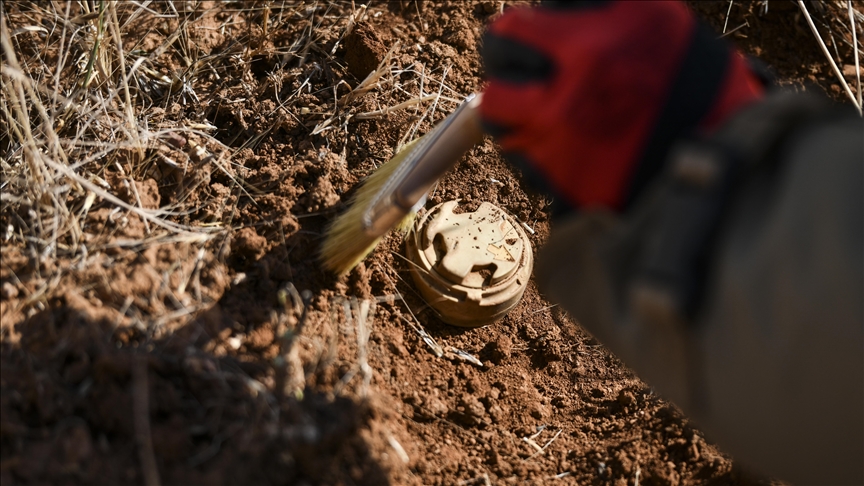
x=434, y=154
x=460, y=132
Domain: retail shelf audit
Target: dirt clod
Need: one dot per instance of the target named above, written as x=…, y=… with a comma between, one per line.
x=537, y=410
x=499, y=350
x=471, y=410
x=364, y=51
x=626, y=398
x=248, y=244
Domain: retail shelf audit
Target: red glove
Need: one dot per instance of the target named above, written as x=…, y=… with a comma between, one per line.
x=588, y=97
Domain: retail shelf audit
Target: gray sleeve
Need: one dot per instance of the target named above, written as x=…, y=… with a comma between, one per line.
x=772, y=367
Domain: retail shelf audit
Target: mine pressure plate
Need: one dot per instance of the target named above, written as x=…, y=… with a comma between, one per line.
x=471, y=266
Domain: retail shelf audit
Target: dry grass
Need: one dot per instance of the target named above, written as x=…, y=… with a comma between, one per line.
x=74, y=108
x=89, y=115
x=855, y=101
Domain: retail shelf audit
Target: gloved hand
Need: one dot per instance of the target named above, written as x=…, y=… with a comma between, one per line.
x=587, y=97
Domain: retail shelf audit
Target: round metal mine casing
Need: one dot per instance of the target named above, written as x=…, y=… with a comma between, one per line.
x=471, y=267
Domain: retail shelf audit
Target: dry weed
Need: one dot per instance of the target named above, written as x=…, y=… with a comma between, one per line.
x=98, y=118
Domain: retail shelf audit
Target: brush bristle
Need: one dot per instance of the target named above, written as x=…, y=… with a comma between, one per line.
x=346, y=244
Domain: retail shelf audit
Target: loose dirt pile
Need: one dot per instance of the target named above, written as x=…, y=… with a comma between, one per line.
x=163, y=315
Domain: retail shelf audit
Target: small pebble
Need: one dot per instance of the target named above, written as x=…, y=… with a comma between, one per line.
x=8, y=291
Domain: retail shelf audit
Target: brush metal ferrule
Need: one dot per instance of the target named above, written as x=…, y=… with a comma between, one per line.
x=428, y=160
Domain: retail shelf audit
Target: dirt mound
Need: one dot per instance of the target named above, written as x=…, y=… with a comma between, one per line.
x=216, y=350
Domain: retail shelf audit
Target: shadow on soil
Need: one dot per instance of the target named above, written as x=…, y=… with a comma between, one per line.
x=72, y=389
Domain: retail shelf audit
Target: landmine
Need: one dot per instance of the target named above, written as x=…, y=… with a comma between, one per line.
x=471, y=267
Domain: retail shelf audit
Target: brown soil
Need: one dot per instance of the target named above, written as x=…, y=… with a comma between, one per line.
x=244, y=360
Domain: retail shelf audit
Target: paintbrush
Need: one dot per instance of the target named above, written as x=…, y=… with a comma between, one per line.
x=391, y=196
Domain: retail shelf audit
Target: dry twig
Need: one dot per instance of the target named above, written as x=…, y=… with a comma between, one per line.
x=141, y=411
x=828, y=56
x=855, y=50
